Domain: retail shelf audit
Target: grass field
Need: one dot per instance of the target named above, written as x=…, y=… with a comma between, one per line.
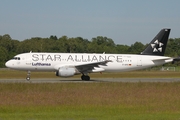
x=90, y=101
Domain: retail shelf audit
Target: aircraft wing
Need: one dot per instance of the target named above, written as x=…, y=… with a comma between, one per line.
x=89, y=67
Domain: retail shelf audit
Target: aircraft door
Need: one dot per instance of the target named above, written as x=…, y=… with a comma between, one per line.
x=139, y=61
x=28, y=60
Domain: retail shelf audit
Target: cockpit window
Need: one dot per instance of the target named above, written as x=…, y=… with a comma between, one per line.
x=16, y=58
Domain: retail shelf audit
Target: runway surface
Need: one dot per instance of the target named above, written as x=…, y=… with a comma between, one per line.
x=77, y=80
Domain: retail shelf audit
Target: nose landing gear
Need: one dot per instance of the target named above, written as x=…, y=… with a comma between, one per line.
x=28, y=76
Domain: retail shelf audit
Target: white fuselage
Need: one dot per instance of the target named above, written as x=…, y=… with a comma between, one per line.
x=52, y=61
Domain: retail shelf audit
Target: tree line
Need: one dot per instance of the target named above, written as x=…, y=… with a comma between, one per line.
x=10, y=47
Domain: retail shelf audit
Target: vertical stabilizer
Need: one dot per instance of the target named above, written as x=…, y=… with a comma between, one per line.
x=158, y=45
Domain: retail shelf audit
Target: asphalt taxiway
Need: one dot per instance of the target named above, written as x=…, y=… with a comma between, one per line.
x=77, y=80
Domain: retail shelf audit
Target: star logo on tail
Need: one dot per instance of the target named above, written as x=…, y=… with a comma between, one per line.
x=157, y=46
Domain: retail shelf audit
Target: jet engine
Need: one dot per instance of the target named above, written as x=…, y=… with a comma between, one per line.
x=65, y=72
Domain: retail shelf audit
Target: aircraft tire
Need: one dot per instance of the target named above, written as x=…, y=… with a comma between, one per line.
x=28, y=78
x=85, y=77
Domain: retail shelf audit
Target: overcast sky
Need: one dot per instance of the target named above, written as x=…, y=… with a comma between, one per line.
x=124, y=21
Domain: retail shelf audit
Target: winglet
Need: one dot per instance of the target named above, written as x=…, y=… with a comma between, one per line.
x=158, y=45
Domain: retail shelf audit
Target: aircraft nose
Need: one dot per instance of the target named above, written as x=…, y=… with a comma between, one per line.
x=8, y=64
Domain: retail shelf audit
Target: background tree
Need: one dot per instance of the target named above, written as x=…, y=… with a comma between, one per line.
x=122, y=49
x=136, y=48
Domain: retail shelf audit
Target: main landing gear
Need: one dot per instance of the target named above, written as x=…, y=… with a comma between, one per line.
x=28, y=76
x=85, y=77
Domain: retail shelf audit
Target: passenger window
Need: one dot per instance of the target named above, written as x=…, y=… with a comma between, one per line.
x=14, y=58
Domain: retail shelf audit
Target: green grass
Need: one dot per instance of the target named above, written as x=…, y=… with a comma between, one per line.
x=90, y=101
x=85, y=113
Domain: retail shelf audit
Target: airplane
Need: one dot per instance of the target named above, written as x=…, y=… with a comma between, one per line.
x=70, y=64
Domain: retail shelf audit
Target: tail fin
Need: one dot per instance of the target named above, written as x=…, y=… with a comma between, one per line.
x=158, y=45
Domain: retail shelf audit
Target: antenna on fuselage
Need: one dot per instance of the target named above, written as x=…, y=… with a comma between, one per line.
x=30, y=51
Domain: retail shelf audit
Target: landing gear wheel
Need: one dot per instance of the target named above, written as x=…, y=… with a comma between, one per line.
x=85, y=77
x=28, y=76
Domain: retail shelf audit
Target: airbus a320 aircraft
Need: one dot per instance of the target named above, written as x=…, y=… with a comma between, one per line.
x=70, y=64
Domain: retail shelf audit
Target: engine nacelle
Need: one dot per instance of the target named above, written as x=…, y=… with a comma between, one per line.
x=66, y=72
